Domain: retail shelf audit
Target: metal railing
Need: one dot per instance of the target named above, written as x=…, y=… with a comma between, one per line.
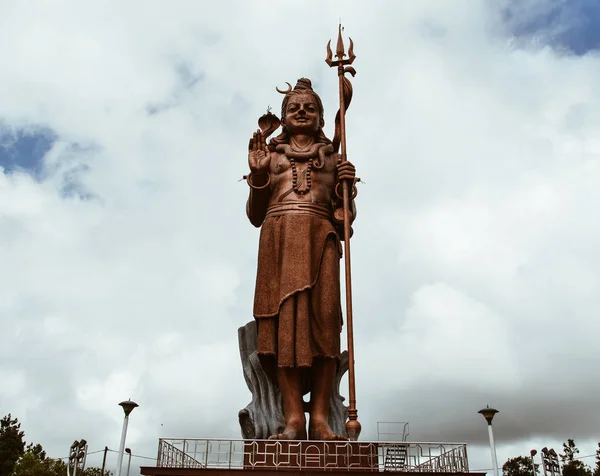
x=170, y=456
x=377, y=456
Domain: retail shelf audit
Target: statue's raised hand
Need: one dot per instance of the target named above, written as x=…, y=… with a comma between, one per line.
x=259, y=156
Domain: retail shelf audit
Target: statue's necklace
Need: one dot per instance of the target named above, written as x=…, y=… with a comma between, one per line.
x=316, y=151
x=305, y=190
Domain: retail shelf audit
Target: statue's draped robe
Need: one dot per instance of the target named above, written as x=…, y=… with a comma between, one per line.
x=297, y=296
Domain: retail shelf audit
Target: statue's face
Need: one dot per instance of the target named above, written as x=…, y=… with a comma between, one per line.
x=302, y=114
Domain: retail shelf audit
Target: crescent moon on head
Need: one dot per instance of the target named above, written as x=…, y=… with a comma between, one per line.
x=289, y=89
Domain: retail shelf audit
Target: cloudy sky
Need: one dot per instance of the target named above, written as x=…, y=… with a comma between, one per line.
x=127, y=262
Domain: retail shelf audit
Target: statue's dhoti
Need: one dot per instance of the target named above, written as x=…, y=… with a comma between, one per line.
x=297, y=298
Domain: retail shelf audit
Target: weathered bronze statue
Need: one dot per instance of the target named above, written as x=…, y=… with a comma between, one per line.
x=295, y=197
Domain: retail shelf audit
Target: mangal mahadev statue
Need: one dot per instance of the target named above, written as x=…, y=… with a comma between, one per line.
x=300, y=195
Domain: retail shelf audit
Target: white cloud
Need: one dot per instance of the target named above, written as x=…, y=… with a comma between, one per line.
x=475, y=260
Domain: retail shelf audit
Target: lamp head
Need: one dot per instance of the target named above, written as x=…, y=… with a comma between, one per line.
x=488, y=413
x=128, y=406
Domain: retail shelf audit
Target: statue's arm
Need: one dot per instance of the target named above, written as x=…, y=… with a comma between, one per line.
x=258, y=199
x=346, y=171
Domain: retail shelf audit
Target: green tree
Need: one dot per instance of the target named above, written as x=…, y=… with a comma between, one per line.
x=570, y=450
x=16, y=460
x=95, y=472
x=597, y=468
x=31, y=465
x=519, y=466
x=37, y=450
x=571, y=465
x=12, y=444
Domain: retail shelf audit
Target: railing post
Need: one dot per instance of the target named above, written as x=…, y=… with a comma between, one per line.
x=158, y=458
x=206, y=447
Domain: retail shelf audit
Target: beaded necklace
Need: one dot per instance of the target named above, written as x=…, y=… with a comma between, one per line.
x=305, y=190
x=315, y=156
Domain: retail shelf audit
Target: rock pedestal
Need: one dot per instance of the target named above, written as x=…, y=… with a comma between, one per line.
x=263, y=416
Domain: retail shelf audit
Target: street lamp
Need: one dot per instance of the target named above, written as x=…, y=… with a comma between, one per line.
x=77, y=457
x=533, y=453
x=128, y=407
x=128, y=451
x=488, y=413
x=550, y=462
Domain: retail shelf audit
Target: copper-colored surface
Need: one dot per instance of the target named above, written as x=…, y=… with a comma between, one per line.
x=291, y=456
x=353, y=426
x=293, y=181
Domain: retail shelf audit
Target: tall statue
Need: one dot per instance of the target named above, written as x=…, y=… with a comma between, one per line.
x=295, y=182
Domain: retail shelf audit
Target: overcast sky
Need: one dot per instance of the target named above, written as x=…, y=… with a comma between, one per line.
x=127, y=262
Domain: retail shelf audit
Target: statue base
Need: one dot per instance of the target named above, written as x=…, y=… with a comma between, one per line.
x=309, y=455
x=212, y=457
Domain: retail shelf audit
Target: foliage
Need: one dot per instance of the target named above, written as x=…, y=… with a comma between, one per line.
x=95, y=472
x=37, y=450
x=16, y=460
x=572, y=466
x=12, y=444
x=519, y=466
x=31, y=465
x=570, y=450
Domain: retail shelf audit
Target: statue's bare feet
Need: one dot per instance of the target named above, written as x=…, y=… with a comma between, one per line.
x=319, y=430
x=292, y=431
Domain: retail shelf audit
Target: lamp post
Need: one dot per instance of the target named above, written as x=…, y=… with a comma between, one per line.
x=488, y=413
x=533, y=453
x=128, y=407
x=77, y=457
x=550, y=462
x=555, y=463
x=128, y=451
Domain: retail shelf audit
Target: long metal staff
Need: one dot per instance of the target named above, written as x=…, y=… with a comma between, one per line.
x=353, y=427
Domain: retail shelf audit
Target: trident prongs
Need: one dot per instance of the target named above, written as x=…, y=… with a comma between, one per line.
x=340, y=52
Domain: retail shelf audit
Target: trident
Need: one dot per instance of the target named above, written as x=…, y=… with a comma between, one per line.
x=353, y=427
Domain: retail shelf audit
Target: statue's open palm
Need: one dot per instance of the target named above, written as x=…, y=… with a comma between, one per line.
x=259, y=156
